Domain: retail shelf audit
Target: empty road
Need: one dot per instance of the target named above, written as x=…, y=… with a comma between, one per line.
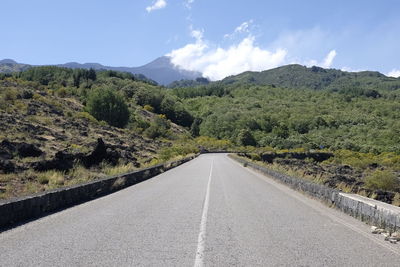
x=210, y=211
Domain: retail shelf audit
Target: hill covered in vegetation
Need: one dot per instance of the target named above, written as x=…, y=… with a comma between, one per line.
x=360, y=125
x=290, y=118
x=10, y=66
x=301, y=77
x=61, y=126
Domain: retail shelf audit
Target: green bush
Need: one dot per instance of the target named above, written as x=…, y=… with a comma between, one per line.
x=245, y=138
x=384, y=180
x=148, y=108
x=10, y=94
x=177, y=150
x=109, y=106
x=62, y=92
x=158, y=128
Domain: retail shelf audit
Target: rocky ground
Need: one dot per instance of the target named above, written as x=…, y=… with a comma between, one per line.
x=42, y=132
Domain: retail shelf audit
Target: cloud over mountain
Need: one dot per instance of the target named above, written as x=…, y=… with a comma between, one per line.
x=243, y=54
x=216, y=62
x=394, y=73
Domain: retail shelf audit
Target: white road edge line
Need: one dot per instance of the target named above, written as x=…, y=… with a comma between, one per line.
x=199, y=261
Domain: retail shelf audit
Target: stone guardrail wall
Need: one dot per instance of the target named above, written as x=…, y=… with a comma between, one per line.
x=373, y=214
x=21, y=209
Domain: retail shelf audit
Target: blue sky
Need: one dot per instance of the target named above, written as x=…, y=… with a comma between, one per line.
x=217, y=37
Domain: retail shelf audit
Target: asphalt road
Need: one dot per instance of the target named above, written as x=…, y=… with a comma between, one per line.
x=208, y=212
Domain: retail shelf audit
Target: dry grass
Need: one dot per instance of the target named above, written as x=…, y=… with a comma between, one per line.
x=319, y=179
x=39, y=119
x=118, y=169
x=80, y=174
x=346, y=188
x=396, y=200
x=52, y=179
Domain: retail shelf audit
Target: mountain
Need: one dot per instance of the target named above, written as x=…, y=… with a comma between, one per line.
x=163, y=71
x=297, y=76
x=160, y=70
x=9, y=65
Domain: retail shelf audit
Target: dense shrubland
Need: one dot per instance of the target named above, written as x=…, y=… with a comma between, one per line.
x=356, y=116
x=292, y=118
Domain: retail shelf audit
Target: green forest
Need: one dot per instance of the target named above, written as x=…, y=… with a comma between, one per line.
x=297, y=118
x=361, y=118
x=354, y=116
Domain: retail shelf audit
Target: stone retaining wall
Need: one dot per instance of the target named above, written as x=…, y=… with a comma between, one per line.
x=18, y=210
x=365, y=209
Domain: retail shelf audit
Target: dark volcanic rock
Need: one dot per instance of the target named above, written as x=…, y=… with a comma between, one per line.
x=62, y=161
x=7, y=149
x=28, y=150
x=97, y=156
x=6, y=166
x=384, y=196
x=100, y=153
x=4, y=154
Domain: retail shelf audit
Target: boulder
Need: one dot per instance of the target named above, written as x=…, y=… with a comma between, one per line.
x=101, y=153
x=97, y=155
x=62, y=161
x=6, y=166
x=28, y=150
x=7, y=149
x=23, y=150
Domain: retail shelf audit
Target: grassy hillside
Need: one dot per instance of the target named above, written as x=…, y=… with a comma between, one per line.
x=50, y=138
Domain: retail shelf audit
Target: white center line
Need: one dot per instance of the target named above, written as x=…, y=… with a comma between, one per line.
x=199, y=261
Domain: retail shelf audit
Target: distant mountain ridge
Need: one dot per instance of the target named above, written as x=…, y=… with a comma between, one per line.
x=9, y=65
x=160, y=70
x=165, y=73
x=317, y=78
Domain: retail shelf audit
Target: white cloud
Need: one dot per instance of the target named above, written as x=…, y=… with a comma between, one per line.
x=217, y=63
x=348, y=69
x=242, y=28
x=197, y=34
x=394, y=73
x=325, y=63
x=305, y=45
x=329, y=59
x=188, y=3
x=158, y=4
